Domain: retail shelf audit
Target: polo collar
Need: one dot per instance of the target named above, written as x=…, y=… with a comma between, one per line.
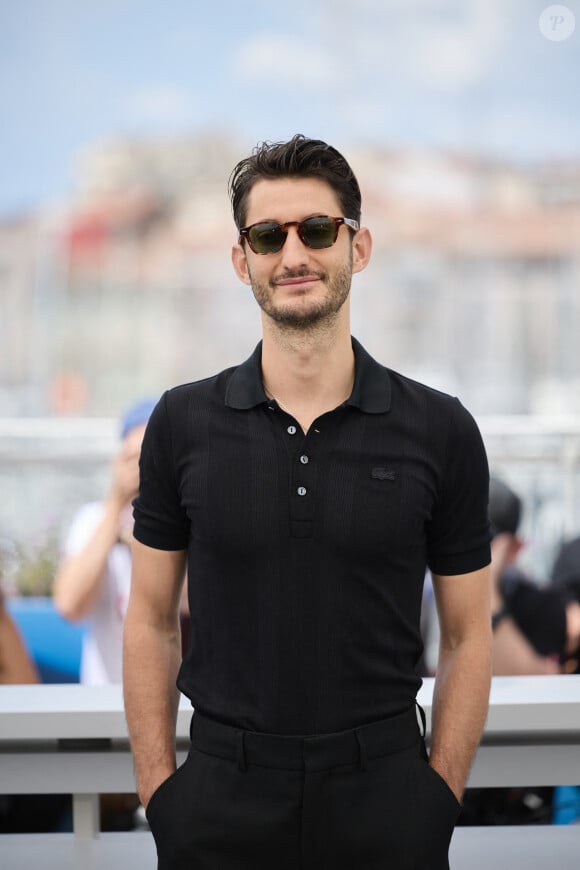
x=245, y=389
x=371, y=391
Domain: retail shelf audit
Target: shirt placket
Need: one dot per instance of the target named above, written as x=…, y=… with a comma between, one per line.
x=302, y=454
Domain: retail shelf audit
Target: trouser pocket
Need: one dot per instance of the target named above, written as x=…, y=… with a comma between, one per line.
x=210, y=815
x=397, y=813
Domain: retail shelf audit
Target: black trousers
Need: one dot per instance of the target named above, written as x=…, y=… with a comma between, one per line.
x=364, y=799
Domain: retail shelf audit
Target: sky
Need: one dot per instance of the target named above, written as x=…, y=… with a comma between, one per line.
x=469, y=75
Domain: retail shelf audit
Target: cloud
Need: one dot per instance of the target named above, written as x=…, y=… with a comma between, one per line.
x=276, y=60
x=458, y=52
x=160, y=105
x=540, y=131
x=444, y=46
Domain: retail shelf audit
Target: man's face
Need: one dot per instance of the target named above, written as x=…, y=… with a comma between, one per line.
x=298, y=286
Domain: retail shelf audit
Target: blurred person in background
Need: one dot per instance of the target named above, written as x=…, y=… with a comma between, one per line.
x=566, y=578
x=94, y=578
x=16, y=665
x=25, y=813
x=566, y=569
x=93, y=581
x=536, y=627
x=536, y=630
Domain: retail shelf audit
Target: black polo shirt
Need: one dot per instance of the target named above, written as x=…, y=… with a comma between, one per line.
x=307, y=553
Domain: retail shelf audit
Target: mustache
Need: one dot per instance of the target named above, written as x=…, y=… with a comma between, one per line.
x=297, y=273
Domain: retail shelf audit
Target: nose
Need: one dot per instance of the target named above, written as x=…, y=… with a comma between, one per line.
x=295, y=252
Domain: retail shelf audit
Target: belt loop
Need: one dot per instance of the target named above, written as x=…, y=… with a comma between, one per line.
x=423, y=733
x=423, y=719
x=362, y=751
x=242, y=764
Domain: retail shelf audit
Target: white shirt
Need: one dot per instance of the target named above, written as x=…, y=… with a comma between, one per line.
x=101, y=659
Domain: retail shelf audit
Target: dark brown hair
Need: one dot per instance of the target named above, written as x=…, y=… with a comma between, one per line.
x=299, y=158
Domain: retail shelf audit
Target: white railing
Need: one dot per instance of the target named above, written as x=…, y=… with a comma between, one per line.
x=73, y=740
x=544, y=454
x=49, y=466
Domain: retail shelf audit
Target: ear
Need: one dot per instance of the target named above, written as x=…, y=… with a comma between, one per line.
x=240, y=263
x=362, y=247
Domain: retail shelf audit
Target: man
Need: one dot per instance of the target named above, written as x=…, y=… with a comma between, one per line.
x=529, y=637
x=565, y=577
x=536, y=629
x=565, y=573
x=307, y=488
x=94, y=577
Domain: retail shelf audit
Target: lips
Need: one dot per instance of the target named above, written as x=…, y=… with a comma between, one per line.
x=297, y=281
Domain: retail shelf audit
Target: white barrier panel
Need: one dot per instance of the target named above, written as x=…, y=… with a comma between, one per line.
x=73, y=739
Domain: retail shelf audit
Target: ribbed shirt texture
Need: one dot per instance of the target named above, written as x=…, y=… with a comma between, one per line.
x=307, y=553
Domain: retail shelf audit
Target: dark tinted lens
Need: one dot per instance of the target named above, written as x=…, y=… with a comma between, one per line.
x=319, y=232
x=266, y=238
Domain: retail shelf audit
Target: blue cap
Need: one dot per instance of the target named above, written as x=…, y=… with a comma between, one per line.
x=136, y=415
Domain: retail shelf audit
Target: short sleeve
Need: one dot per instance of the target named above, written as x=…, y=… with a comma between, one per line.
x=160, y=520
x=458, y=533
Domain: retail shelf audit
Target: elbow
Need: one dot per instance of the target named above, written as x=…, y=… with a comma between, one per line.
x=66, y=605
x=475, y=648
x=476, y=634
x=67, y=611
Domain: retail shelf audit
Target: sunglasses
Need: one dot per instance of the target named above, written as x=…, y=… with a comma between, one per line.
x=268, y=237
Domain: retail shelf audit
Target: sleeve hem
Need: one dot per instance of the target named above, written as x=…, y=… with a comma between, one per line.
x=461, y=563
x=158, y=541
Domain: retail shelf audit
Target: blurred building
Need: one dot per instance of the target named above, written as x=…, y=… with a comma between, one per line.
x=480, y=263
x=128, y=288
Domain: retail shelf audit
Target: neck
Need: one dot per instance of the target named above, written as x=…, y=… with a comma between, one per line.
x=309, y=372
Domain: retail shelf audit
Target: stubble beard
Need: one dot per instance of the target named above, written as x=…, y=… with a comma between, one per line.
x=316, y=313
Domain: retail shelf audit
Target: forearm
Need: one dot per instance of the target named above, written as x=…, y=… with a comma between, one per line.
x=460, y=703
x=513, y=654
x=151, y=659
x=78, y=582
x=16, y=666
